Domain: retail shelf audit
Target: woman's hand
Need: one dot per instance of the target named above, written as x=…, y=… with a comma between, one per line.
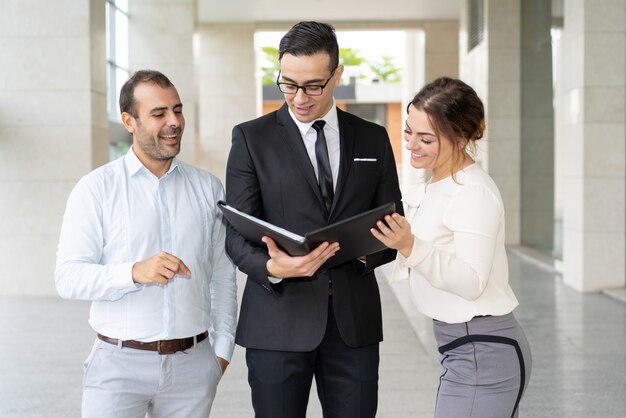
x=396, y=234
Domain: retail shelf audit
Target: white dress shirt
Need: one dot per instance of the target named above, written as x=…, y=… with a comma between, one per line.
x=120, y=214
x=331, y=132
x=458, y=265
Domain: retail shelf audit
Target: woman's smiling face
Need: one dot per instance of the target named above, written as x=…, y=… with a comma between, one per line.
x=427, y=149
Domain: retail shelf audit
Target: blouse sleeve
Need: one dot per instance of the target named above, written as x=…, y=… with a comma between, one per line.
x=474, y=218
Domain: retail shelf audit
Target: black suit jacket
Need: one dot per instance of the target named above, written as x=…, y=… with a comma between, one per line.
x=270, y=176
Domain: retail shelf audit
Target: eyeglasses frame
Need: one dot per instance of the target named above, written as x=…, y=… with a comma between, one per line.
x=298, y=87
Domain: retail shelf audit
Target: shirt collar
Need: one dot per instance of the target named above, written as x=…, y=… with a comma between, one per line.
x=133, y=165
x=330, y=118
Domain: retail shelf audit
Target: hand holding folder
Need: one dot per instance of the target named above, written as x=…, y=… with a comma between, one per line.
x=353, y=234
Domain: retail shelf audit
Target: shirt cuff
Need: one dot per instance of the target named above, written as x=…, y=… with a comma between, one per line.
x=274, y=280
x=224, y=347
x=400, y=271
x=419, y=252
x=122, y=277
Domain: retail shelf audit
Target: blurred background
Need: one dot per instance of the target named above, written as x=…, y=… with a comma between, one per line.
x=551, y=73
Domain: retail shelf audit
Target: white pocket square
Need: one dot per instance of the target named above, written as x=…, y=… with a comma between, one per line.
x=371, y=160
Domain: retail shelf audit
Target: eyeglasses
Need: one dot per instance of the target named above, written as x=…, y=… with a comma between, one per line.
x=309, y=89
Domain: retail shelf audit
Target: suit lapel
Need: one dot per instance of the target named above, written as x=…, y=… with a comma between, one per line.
x=293, y=138
x=346, y=141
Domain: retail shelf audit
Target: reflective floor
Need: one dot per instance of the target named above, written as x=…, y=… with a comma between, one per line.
x=578, y=342
x=579, y=347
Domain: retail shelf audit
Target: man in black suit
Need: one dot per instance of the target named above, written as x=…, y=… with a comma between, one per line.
x=289, y=168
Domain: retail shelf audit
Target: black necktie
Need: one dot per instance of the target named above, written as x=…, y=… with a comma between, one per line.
x=325, y=176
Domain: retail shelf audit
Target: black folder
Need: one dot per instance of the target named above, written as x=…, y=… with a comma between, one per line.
x=353, y=234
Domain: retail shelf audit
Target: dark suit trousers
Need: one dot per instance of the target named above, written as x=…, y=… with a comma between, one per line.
x=346, y=378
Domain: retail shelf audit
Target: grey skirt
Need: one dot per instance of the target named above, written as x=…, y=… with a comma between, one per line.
x=486, y=365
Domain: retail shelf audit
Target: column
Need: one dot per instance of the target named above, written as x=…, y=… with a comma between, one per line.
x=431, y=52
x=227, y=87
x=53, y=128
x=161, y=38
x=441, y=49
x=537, y=127
x=594, y=80
x=492, y=68
x=412, y=81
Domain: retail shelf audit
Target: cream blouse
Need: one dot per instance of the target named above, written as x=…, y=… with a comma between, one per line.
x=458, y=265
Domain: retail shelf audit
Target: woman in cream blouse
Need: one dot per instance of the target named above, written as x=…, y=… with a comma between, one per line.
x=451, y=247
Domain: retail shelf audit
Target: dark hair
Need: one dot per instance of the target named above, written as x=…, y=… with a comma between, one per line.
x=309, y=38
x=127, y=93
x=455, y=111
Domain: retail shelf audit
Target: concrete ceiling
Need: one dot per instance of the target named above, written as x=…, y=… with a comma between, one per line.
x=268, y=11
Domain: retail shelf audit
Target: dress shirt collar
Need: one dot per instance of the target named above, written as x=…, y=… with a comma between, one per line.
x=133, y=165
x=330, y=118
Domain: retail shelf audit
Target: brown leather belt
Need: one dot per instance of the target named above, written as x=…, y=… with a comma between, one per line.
x=161, y=346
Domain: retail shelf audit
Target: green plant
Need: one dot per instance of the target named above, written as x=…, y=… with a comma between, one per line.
x=386, y=70
x=272, y=66
x=351, y=61
x=350, y=57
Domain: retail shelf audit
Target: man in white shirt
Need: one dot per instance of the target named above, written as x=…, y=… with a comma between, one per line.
x=143, y=239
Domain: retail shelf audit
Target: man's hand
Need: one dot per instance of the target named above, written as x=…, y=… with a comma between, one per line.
x=396, y=234
x=223, y=364
x=159, y=269
x=284, y=266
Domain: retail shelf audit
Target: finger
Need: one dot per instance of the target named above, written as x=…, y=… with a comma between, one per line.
x=329, y=251
x=391, y=223
x=401, y=220
x=157, y=278
x=318, y=251
x=171, y=262
x=166, y=273
x=167, y=257
x=377, y=234
x=183, y=269
x=314, y=260
x=171, y=265
x=332, y=253
x=333, y=248
x=325, y=256
x=150, y=271
x=380, y=237
x=271, y=245
x=382, y=227
x=272, y=248
x=176, y=265
x=168, y=260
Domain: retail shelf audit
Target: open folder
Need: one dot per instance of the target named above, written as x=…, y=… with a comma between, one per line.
x=353, y=234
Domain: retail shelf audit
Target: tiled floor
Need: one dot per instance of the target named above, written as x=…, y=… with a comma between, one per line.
x=578, y=342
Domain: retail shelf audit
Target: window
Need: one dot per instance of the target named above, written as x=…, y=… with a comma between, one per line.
x=476, y=23
x=117, y=72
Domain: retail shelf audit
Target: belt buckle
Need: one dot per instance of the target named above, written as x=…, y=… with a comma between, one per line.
x=170, y=346
x=164, y=348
